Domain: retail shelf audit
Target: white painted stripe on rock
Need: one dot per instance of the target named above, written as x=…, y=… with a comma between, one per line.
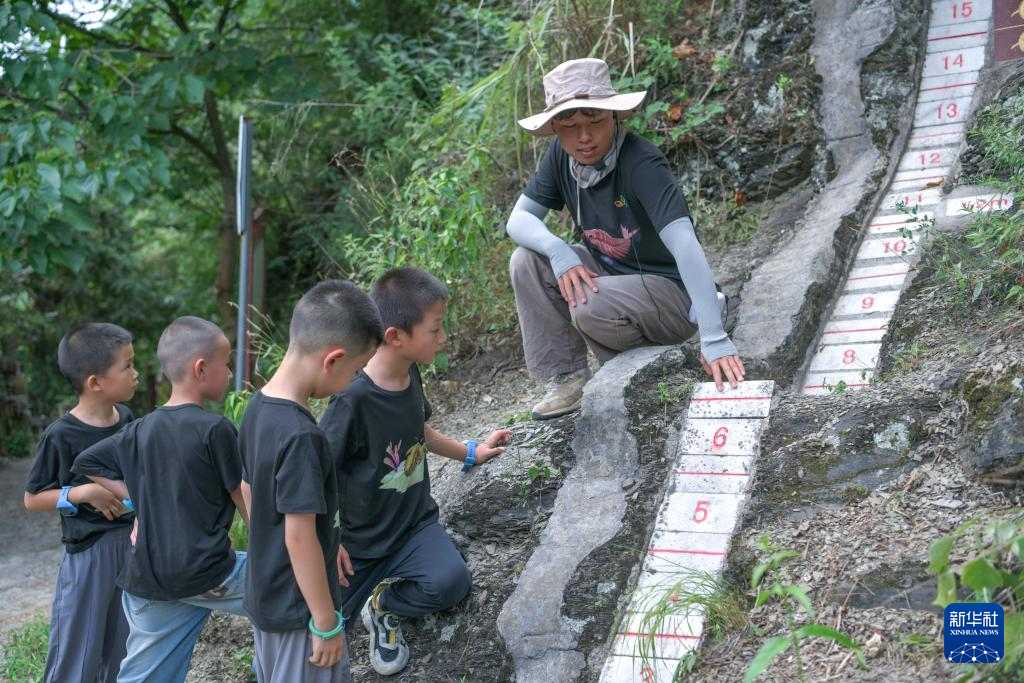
x=899, y=222
x=959, y=12
x=954, y=62
x=628, y=669
x=721, y=436
x=854, y=331
x=908, y=181
x=984, y=203
x=818, y=383
x=888, y=276
x=681, y=552
x=942, y=112
x=710, y=512
x=922, y=160
x=752, y=389
x=886, y=247
x=947, y=86
x=862, y=305
x=936, y=136
x=845, y=357
x=713, y=473
x=920, y=198
x=957, y=36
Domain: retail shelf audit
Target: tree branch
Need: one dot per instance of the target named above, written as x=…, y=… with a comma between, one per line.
x=190, y=139
x=101, y=36
x=217, y=130
x=176, y=16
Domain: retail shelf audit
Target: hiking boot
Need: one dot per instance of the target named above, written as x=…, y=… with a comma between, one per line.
x=388, y=652
x=565, y=393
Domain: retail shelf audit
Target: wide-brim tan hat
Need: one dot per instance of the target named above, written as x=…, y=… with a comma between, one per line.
x=576, y=84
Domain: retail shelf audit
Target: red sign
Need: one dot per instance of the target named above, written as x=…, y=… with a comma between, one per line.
x=1009, y=29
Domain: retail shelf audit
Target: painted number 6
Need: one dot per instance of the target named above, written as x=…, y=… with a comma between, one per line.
x=719, y=439
x=700, y=513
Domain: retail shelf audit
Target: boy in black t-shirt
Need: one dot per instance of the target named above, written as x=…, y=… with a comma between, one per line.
x=87, y=627
x=181, y=467
x=400, y=560
x=292, y=587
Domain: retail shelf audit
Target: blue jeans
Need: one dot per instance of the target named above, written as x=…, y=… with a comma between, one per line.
x=164, y=633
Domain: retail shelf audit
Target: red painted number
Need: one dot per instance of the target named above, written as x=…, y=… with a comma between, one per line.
x=719, y=439
x=898, y=247
x=700, y=513
x=867, y=302
x=948, y=111
x=933, y=159
x=957, y=61
x=963, y=10
x=849, y=356
x=647, y=675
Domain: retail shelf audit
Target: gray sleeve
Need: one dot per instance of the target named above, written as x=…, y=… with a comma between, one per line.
x=526, y=228
x=681, y=240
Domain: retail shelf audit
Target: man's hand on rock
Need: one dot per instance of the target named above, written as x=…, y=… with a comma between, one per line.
x=574, y=282
x=729, y=366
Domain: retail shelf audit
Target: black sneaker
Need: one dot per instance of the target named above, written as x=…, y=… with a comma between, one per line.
x=388, y=652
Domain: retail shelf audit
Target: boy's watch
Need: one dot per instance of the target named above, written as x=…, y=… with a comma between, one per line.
x=470, y=455
x=65, y=506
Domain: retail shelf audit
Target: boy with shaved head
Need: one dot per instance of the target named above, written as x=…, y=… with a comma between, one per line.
x=181, y=467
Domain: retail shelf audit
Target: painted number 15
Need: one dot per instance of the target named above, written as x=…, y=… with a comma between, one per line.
x=963, y=10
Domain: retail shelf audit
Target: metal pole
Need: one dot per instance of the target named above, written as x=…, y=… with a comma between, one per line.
x=244, y=217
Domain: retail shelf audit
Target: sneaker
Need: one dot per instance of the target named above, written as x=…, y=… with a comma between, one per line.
x=388, y=652
x=565, y=393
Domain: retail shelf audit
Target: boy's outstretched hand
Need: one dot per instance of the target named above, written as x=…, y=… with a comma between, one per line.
x=492, y=445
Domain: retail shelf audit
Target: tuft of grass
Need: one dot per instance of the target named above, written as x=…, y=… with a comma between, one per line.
x=25, y=652
x=239, y=533
x=666, y=609
x=515, y=418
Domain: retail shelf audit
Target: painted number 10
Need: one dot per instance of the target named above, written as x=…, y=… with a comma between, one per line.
x=963, y=10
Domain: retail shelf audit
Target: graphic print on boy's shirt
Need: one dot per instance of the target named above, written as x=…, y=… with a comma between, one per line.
x=383, y=483
x=404, y=472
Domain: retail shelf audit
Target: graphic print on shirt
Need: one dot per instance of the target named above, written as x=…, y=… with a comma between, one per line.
x=613, y=247
x=404, y=473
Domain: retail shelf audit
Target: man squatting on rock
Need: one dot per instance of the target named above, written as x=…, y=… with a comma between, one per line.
x=640, y=277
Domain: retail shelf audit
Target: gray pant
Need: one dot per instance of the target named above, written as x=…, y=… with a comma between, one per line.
x=88, y=630
x=284, y=658
x=627, y=312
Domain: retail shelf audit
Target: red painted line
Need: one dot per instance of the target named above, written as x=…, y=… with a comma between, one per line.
x=684, y=552
x=733, y=398
x=923, y=177
x=947, y=87
x=870, y=277
x=962, y=35
x=674, y=636
x=935, y=135
x=715, y=474
x=882, y=225
x=866, y=329
x=822, y=386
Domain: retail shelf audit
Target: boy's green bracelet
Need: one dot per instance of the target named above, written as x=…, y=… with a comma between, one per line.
x=327, y=635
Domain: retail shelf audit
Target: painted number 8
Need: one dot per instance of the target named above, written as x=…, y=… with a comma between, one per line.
x=849, y=356
x=647, y=675
x=719, y=439
x=700, y=513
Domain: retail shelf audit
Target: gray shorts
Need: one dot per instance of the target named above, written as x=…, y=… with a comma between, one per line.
x=284, y=658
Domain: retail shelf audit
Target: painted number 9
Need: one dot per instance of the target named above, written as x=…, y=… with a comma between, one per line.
x=700, y=513
x=867, y=302
x=719, y=439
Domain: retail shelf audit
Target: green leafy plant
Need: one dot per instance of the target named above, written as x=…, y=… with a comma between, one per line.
x=671, y=395
x=25, y=652
x=790, y=596
x=992, y=571
x=907, y=359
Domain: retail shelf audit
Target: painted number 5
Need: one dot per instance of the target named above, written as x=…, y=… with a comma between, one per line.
x=719, y=439
x=700, y=513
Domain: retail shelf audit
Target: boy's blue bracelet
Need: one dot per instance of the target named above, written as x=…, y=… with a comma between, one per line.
x=327, y=635
x=470, y=455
